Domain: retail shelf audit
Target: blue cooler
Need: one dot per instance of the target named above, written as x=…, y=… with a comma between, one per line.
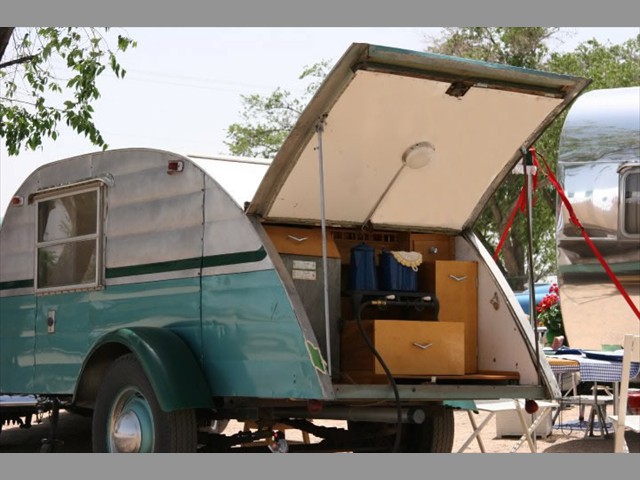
x=394, y=276
x=362, y=271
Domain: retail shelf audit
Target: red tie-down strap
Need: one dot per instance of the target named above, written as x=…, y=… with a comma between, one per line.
x=520, y=205
x=576, y=222
x=574, y=219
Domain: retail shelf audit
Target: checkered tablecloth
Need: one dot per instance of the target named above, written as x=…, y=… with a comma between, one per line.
x=591, y=370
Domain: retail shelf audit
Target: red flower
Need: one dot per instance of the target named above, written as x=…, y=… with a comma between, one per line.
x=548, y=309
x=547, y=302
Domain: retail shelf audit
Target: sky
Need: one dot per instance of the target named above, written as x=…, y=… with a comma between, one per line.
x=183, y=88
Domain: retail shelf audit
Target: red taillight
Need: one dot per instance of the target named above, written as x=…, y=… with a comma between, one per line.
x=530, y=406
x=314, y=406
x=175, y=166
x=17, y=201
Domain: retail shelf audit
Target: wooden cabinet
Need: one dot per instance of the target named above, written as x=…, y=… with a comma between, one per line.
x=408, y=348
x=455, y=284
x=433, y=246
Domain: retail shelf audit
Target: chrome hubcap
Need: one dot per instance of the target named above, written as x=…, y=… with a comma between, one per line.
x=127, y=435
x=131, y=426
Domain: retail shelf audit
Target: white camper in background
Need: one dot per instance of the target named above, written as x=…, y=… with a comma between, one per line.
x=599, y=168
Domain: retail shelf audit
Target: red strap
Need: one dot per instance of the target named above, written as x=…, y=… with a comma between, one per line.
x=520, y=205
x=576, y=222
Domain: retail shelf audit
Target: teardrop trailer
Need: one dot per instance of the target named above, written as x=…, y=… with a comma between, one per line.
x=134, y=288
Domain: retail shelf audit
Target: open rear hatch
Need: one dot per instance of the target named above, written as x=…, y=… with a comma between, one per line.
x=409, y=140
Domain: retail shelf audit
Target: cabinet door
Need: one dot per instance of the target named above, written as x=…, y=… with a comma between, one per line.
x=456, y=284
x=433, y=246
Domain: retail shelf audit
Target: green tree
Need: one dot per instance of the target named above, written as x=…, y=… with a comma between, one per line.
x=518, y=46
x=608, y=66
x=267, y=120
x=33, y=96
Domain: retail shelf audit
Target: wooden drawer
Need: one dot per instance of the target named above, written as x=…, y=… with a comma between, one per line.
x=397, y=342
x=301, y=241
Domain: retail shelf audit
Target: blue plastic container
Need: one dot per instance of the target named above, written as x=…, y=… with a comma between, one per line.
x=362, y=271
x=396, y=277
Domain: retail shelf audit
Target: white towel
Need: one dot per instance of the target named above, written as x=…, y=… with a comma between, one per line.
x=408, y=259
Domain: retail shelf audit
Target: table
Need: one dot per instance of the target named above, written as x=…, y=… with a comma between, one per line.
x=591, y=370
x=596, y=371
x=505, y=405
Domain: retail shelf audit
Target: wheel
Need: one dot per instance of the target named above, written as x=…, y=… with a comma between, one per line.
x=128, y=417
x=434, y=435
x=373, y=436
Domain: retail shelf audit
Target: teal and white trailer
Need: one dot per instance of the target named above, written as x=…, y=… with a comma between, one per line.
x=133, y=287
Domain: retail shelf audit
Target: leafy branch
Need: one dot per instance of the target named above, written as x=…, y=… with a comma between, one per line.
x=83, y=53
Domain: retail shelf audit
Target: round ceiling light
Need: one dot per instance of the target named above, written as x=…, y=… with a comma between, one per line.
x=418, y=155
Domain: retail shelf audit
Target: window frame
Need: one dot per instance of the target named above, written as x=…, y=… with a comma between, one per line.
x=625, y=172
x=70, y=191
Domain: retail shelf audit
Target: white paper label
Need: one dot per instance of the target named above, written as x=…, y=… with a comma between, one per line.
x=303, y=265
x=303, y=275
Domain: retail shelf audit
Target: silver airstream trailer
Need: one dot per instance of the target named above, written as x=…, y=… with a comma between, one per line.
x=132, y=286
x=599, y=168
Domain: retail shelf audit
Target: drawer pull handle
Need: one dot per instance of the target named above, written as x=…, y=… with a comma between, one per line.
x=458, y=279
x=423, y=346
x=297, y=239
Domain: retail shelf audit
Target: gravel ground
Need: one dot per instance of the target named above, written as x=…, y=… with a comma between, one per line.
x=75, y=431
x=561, y=440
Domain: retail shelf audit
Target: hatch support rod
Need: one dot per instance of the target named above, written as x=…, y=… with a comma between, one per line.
x=529, y=168
x=323, y=223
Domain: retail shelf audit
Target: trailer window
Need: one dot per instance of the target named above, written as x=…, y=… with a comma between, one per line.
x=631, y=206
x=67, y=243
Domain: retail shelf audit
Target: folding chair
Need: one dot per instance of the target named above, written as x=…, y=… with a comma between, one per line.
x=622, y=420
x=505, y=405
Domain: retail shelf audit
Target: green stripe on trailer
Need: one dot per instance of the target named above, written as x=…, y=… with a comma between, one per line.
x=188, y=264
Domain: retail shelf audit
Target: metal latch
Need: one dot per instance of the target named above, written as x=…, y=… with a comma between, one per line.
x=51, y=321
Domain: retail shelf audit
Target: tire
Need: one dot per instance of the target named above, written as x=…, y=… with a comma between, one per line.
x=373, y=436
x=128, y=417
x=434, y=435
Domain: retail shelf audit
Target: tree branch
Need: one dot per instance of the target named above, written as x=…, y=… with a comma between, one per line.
x=5, y=36
x=17, y=61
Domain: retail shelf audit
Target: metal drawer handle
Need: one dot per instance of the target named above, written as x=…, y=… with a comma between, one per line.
x=423, y=346
x=297, y=239
x=458, y=279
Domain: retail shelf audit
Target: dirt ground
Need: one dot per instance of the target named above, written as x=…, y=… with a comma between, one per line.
x=75, y=432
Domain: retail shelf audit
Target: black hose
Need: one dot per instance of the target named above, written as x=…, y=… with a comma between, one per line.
x=396, y=445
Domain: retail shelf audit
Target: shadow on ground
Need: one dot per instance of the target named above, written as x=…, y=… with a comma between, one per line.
x=594, y=445
x=73, y=430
